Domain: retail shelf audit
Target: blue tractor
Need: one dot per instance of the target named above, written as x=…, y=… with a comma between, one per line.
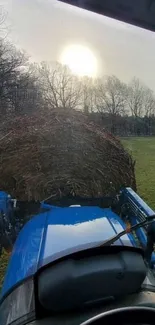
x=73, y=257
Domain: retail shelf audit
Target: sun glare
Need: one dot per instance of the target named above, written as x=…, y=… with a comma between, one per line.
x=80, y=60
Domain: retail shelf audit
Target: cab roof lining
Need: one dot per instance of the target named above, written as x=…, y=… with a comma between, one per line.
x=140, y=13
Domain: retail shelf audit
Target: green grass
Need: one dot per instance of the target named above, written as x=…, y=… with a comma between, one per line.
x=143, y=151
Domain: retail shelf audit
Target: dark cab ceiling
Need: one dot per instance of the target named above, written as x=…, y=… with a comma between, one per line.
x=136, y=12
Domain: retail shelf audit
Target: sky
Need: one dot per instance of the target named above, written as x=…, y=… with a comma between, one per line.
x=44, y=28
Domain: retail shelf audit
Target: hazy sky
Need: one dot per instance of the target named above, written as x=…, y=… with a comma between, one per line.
x=45, y=27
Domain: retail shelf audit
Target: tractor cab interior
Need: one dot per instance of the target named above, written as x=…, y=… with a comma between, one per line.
x=112, y=283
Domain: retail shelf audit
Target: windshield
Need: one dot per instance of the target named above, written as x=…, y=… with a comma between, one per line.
x=77, y=127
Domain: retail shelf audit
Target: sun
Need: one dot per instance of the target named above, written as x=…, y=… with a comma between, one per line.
x=80, y=60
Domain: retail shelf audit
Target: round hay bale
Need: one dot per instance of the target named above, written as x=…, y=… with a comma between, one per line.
x=61, y=153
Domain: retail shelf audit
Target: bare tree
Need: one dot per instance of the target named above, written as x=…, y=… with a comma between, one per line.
x=4, y=28
x=148, y=109
x=12, y=67
x=87, y=94
x=26, y=97
x=19, y=91
x=136, y=97
x=148, y=102
x=60, y=88
x=111, y=95
x=141, y=99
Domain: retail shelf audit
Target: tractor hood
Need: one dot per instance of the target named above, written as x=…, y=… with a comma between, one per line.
x=57, y=233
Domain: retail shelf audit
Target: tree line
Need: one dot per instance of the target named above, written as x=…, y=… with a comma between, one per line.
x=124, y=109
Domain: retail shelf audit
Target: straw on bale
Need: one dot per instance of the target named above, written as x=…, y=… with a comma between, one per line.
x=61, y=152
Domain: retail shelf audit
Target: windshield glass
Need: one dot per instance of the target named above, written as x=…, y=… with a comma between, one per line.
x=77, y=127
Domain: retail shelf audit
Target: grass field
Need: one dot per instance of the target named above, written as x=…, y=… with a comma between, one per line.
x=143, y=151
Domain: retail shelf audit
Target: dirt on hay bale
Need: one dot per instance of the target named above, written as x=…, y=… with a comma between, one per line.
x=61, y=152
x=4, y=258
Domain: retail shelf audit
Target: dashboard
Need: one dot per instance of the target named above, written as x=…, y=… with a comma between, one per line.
x=143, y=298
